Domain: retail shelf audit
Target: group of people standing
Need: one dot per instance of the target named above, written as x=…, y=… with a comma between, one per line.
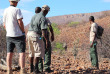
x=39, y=45
x=38, y=40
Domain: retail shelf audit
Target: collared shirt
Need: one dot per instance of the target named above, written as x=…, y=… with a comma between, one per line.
x=10, y=18
x=38, y=22
x=93, y=32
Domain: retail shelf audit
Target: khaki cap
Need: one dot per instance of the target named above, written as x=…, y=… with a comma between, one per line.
x=15, y=0
x=46, y=7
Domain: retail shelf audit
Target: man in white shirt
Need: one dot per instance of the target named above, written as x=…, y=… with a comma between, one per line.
x=93, y=42
x=15, y=35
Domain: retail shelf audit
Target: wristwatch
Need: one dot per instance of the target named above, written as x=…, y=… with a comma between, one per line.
x=23, y=33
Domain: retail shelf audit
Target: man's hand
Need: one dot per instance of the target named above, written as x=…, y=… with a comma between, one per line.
x=52, y=33
x=44, y=34
x=47, y=45
x=52, y=38
x=91, y=45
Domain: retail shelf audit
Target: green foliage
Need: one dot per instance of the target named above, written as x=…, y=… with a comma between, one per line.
x=71, y=24
x=75, y=48
x=55, y=29
x=58, y=46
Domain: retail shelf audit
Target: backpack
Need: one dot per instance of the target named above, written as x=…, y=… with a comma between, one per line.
x=100, y=31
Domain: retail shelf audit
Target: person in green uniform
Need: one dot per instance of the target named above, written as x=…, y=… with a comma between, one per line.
x=93, y=43
x=47, y=61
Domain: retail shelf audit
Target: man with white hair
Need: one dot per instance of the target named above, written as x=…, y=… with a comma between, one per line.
x=15, y=36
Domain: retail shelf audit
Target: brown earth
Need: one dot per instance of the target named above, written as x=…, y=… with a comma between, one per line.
x=66, y=63
x=80, y=32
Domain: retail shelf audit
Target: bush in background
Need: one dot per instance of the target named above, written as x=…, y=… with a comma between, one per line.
x=2, y=42
x=73, y=24
x=58, y=46
x=55, y=29
x=3, y=49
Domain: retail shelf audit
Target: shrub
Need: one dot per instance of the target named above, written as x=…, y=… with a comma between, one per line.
x=2, y=42
x=104, y=48
x=73, y=24
x=55, y=29
x=58, y=46
x=75, y=48
x=3, y=50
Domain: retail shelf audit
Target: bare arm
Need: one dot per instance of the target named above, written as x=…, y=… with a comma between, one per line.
x=21, y=25
x=44, y=34
x=93, y=40
x=52, y=33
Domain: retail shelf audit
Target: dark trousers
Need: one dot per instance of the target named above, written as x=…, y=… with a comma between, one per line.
x=93, y=55
x=47, y=58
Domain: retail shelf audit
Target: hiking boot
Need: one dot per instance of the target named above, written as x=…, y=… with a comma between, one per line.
x=23, y=71
x=31, y=64
x=37, y=72
x=41, y=70
x=31, y=68
x=48, y=70
x=9, y=71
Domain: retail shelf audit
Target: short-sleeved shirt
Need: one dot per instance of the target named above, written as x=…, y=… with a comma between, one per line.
x=10, y=18
x=48, y=22
x=38, y=22
x=93, y=32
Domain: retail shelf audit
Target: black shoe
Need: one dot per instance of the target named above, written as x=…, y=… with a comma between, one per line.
x=31, y=68
x=37, y=72
x=48, y=70
x=31, y=64
x=41, y=70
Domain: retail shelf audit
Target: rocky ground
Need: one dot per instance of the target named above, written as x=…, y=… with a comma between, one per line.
x=65, y=63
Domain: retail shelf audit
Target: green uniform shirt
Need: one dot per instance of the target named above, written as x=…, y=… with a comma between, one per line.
x=38, y=22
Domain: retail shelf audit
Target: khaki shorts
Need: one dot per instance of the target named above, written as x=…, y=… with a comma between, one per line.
x=36, y=45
